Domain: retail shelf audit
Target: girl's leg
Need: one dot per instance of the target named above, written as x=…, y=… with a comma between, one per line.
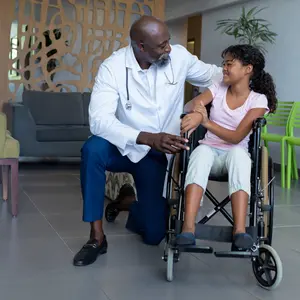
x=239, y=203
x=199, y=167
x=238, y=164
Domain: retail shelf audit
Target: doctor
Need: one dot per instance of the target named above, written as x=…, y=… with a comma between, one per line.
x=134, y=116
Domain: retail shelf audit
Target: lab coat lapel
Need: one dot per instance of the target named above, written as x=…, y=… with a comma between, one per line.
x=139, y=84
x=134, y=79
x=162, y=83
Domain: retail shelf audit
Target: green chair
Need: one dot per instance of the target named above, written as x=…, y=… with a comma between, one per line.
x=9, y=162
x=292, y=141
x=279, y=119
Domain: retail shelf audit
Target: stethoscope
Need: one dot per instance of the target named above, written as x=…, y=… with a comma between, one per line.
x=128, y=105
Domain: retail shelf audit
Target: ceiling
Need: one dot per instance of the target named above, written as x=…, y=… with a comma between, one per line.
x=181, y=8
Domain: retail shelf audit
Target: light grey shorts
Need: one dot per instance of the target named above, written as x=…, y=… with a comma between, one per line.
x=206, y=160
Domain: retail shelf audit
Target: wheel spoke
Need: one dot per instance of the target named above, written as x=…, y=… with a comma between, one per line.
x=271, y=268
x=268, y=257
x=260, y=261
x=261, y=272
x=268, y=277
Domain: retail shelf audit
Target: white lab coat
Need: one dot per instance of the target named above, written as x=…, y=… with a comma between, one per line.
x=156, y=107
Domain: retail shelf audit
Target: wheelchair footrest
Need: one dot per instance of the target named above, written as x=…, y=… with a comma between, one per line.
x=236, y=254
x=195, y=249
x=218, y=233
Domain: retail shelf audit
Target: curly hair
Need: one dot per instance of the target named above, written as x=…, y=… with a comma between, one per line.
x=260, y=81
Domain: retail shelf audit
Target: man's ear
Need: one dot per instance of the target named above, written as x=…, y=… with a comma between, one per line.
x=141, y=46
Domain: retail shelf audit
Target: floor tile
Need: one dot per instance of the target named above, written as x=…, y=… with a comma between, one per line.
x=70, y=225
x=25, y=206
x=49, y=180
x=191, y=278
x=31, y=257
x=55, y=199
x=39, y=245
x=53, y=285
x=25, y=226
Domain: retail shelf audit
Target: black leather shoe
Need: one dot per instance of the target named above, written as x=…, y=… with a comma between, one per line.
x=89, y=252
x=112, y=209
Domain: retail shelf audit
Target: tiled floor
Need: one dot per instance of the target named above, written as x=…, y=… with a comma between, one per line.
x=37, y=248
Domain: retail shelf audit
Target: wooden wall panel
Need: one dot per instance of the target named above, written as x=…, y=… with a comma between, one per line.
x=6, y=17
x=194, y=38
x=58, y=45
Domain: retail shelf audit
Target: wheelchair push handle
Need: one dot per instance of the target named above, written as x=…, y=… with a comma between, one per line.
x=260, y=122
x=185, y=135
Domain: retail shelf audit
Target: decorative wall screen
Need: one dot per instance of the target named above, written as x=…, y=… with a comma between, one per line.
x=58, y=45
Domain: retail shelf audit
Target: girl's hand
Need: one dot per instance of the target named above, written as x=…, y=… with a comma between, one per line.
x=201, y=109
x=190, y=122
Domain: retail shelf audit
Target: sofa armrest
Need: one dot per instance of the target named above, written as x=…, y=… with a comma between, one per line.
x=23, y=127
x=22, y=120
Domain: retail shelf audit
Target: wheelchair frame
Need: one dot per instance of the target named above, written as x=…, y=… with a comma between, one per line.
x=265, y=259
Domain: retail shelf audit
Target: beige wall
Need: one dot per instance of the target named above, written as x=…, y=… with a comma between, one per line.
x=178, y=31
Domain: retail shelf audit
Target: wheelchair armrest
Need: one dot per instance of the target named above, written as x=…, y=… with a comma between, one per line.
x=183, y=115
x=259, y=123
x=197, y=135
x=255, y=137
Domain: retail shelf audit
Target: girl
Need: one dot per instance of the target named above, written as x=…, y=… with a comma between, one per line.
x=245, y=93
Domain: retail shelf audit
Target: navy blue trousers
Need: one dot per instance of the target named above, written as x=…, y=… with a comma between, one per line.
x=147, y=216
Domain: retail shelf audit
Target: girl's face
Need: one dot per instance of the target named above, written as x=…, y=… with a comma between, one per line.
x=234, y=71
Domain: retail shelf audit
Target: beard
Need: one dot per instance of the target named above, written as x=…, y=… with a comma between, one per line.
x=163, y=60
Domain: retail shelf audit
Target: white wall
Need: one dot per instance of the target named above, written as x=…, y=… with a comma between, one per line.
x=283, y=60
x=178, y=31
x=182, y=8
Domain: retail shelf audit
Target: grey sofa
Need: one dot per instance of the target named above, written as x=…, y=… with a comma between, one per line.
x=56, y=125
x=50, y=125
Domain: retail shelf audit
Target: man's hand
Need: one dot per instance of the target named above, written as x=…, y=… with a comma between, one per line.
x=163, y=142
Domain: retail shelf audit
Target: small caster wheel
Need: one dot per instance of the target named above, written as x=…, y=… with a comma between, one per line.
x=176, y=256
x=267, y=268
x=111, y=213
x=170, y=265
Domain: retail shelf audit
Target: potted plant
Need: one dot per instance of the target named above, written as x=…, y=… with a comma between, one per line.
x=249, y=29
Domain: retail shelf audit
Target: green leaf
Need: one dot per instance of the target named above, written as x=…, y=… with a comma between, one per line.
x=258, y=11
x=250, y=12
x=248, y=28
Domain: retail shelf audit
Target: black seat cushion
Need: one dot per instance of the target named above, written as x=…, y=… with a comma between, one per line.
x=223, y=178
x=62, y=133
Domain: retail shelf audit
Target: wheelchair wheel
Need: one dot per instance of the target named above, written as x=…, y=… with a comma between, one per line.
x=267, y=268
x=170, y=264
x=267, y=187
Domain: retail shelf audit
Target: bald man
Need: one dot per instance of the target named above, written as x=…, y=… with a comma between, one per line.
x=134, y=116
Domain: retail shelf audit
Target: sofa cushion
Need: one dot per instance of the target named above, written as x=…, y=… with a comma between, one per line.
x=71, y=133
x=86, y=103
x=54, y=108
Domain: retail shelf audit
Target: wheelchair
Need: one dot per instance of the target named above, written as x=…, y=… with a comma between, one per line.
x=266, y=263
